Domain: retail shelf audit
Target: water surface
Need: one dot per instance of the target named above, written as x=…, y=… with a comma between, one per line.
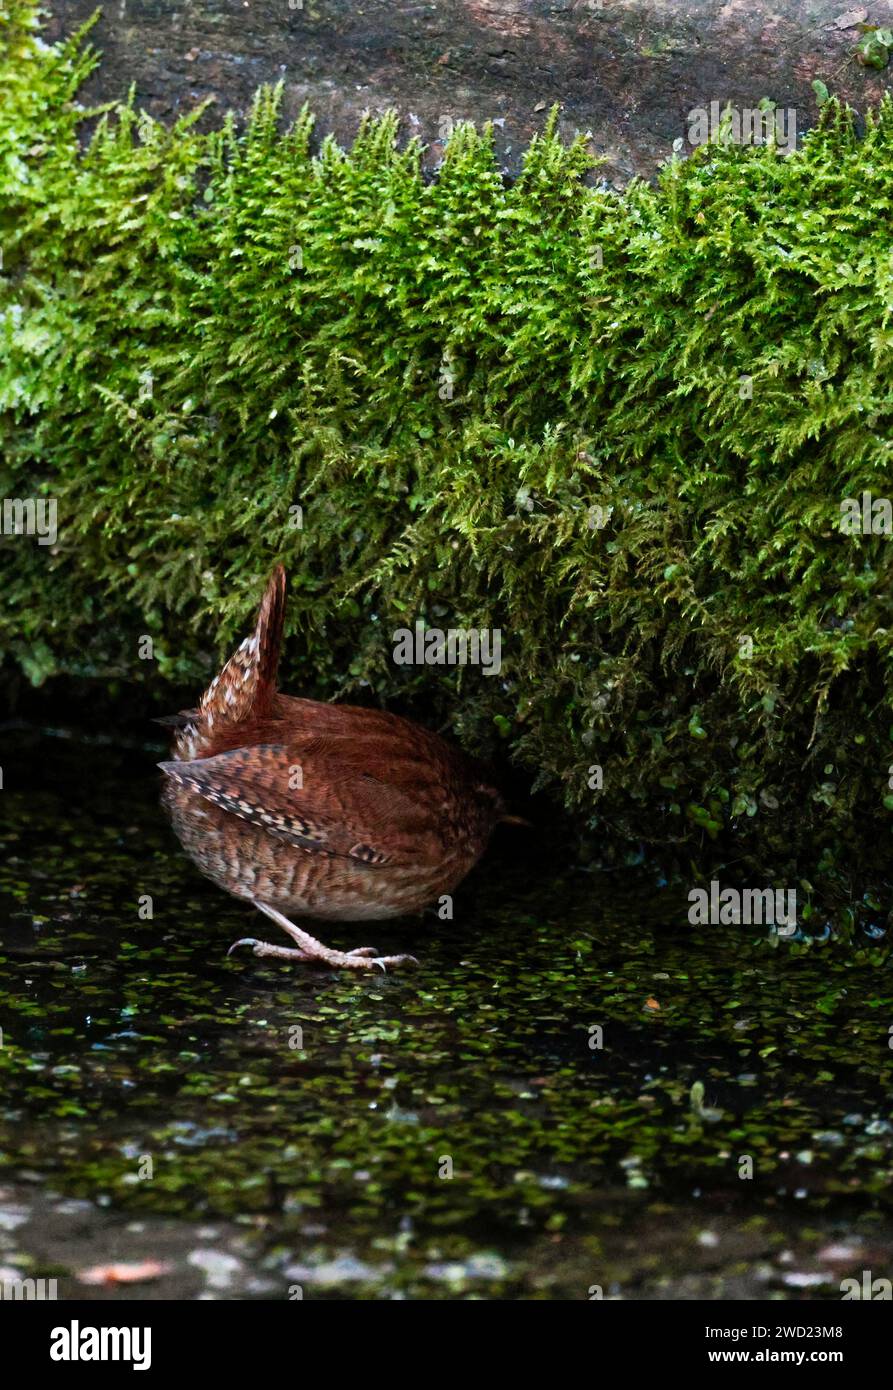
x=261, y=1129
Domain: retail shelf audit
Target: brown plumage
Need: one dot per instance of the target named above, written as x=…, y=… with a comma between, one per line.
x=310, y=809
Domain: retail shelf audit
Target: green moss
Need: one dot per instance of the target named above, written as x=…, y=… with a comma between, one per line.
x=202, y=332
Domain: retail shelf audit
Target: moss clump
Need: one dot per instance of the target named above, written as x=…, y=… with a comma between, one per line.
x=618, y=428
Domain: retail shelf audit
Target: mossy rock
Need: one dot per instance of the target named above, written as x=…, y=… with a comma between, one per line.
x=619, y=428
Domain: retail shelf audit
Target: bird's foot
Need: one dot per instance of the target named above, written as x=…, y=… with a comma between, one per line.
x=310, y=950
x=362, y=958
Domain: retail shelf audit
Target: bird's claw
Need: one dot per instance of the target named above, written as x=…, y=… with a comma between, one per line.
x=385, y=961
x=244, y=941
x=381, y=962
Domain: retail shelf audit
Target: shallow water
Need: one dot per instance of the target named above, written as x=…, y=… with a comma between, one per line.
x=158, y=1104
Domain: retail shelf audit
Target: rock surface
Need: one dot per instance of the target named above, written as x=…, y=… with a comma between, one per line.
x=627, y=71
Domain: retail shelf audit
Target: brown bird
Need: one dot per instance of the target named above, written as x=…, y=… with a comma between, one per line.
x=327, y=811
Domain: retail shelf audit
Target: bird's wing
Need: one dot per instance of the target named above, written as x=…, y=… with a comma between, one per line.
x=321, y=795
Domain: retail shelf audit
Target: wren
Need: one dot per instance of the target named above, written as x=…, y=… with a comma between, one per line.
x=317, y=810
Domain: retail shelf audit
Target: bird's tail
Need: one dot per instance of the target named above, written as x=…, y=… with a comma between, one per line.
x=245, y=687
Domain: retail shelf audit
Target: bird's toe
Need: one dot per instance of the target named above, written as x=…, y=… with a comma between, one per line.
x=244, y=941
